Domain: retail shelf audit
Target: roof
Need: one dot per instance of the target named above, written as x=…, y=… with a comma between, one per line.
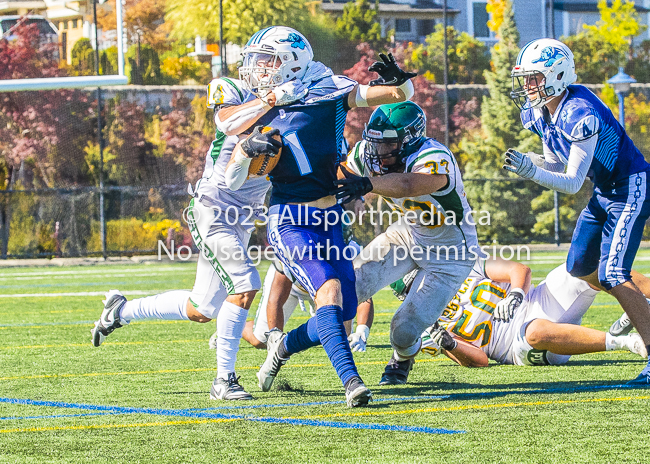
x=422, y=9
x=588, y=7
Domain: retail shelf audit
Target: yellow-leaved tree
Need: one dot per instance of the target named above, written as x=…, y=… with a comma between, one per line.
x=241, y=18
x=617, y=25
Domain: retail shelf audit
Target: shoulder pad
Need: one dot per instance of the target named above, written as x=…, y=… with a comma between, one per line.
x=577, y=121
x=432, y=157
x=225, y=91
x=354, y=161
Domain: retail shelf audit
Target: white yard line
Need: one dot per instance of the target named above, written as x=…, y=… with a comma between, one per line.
x=51, y=295
x=82, y=271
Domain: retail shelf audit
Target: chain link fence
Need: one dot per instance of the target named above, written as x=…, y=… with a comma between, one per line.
x=153, y=142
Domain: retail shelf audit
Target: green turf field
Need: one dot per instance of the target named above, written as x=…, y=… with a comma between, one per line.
x=143, y=395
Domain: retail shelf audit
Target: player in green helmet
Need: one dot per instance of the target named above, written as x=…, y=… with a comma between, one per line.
x=419, y=178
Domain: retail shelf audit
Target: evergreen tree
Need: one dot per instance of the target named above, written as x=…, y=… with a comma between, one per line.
x=509, y=202
x=359, y=22
x=83, y=58
x=144, y=65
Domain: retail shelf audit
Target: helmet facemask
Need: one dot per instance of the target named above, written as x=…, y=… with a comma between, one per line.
x=529, y=89
x=262, y=71
x=381, y=147
x=273, y=56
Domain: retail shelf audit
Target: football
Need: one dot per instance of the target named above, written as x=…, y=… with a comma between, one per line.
x=264, y=164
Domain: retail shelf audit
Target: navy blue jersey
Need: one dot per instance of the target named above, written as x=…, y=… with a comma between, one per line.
x=312, y=134
x=581, y=116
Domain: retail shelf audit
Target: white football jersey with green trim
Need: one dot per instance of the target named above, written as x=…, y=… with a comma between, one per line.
x=429, y=215
x=211, y=189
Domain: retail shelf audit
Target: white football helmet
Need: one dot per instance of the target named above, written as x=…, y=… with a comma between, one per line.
x=548, y=57
x=273, y=56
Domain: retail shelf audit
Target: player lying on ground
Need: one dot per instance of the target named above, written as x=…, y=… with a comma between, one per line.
x=303, y=216
x=580, y=133
x=420, y=179
x=545, y=325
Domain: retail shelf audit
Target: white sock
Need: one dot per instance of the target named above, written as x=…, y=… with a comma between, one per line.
x=170, y=306
x=615, y=343
x=230, y=326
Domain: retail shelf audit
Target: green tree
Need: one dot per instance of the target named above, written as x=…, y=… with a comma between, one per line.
x=329, y=47
x=359, y=22
x=639, y=65
x=108, y=61
x=617, y=26
x=468, y=57
x=596, y=60
x=242, y=18
x=509, y=202
x=83, y=58
x=143, y=65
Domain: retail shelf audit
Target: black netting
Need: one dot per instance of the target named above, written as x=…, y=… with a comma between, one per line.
x=154, y=140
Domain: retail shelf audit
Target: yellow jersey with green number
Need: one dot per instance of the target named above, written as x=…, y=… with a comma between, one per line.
x=469, y=314
x=429, y=214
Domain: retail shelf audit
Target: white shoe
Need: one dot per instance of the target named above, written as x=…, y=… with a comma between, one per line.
x=110, y=318
x=230, y=389
x=636, y=345
x=622, y=326
x=212, y=343
x=269, y=370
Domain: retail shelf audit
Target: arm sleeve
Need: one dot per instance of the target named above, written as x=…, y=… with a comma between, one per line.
x=580, y=158
x=434, y=161
x=237, y=171
x=236, y=174
x=236, y=123
x=551, y=161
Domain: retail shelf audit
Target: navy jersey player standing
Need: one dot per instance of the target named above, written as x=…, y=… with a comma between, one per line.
x=580, y=133
x=309, y=111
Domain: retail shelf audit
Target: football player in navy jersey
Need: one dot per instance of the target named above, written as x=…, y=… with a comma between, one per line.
x=307, y=104
x=581, y=135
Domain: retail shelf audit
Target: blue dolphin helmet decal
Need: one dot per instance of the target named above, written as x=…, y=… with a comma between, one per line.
x=550, y=55
x=296, y=41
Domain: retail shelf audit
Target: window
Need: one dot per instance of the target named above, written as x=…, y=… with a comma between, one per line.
x=481, y=17
x=42, y=24
x=402, y=25
x=74, y=24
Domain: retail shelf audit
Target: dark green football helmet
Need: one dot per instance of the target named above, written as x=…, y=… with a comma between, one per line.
x=394, y=130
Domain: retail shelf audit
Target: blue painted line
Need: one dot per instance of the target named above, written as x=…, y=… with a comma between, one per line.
x=58, y=416
x=207, y=415
x=319, y=403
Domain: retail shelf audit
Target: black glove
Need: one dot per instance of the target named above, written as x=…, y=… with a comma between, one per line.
x=443, y=338
x=259, y=143
x=390, y=73
x=351, y=188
